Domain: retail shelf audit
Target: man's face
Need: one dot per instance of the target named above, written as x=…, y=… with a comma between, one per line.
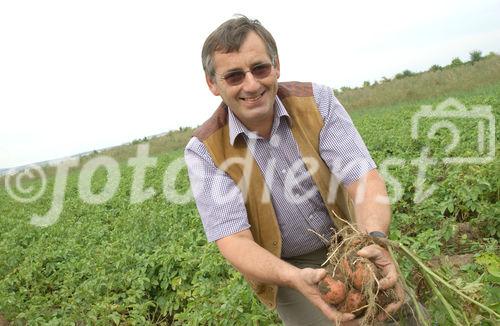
x=252, y=100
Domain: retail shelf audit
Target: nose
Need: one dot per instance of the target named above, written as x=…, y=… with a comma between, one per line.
x=250, y=83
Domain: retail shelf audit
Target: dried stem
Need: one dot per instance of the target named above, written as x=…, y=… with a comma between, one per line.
x=427, y=270
x=320, y=236
x=333, y=253
x=346, y=222
x=441, y=298
x=421, y=318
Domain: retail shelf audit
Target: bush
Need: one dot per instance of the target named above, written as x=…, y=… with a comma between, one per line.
x=491, y=54
x=385, y=80
x=435, y=68
x=475, y=56
x=456, y=62
x=405, y=73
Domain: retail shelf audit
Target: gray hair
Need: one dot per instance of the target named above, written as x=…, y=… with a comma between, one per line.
x=229, y=37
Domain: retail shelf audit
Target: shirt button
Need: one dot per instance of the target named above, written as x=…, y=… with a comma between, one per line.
x=275, y=243
x=284, y=171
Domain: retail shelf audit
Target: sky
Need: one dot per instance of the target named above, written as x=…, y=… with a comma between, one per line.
x=82, y=75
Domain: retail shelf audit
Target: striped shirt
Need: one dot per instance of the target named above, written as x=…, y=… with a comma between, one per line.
x=297, y=202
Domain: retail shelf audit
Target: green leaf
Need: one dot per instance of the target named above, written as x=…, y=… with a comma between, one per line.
x=115, y=317
x=492, y=263
x=176, y=281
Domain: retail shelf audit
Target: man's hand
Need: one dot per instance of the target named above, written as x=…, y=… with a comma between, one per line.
x=380, y=257
x=306, y=282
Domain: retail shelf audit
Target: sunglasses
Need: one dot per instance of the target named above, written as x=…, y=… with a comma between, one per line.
x=236, y=77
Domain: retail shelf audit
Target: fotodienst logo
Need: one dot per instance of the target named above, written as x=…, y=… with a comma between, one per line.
x=441, y=118
x=444, y=116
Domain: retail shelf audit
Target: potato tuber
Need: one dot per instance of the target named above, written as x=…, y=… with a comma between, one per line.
x=332, y=291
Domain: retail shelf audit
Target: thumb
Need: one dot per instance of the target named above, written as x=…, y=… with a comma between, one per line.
x=371, y=251
x=319, y=274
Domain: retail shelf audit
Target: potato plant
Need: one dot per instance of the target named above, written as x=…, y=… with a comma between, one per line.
x=149, y=263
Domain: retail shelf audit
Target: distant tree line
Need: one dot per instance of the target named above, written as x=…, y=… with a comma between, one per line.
x=474, y=56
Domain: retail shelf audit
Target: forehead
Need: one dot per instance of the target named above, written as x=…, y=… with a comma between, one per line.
x=251, y=51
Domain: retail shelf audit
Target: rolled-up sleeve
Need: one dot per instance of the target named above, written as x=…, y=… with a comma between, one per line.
x=218, y=199
x=341, y=146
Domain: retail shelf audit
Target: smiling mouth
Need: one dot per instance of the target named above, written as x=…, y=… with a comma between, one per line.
x=253, y=99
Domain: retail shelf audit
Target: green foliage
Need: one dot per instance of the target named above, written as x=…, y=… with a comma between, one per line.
x=139, y=141
x=149, y=263
x=451, y=80
x=404, y=74
x=385, y=80
x=491, y=54
x=465, y=195
x=491, y=262
x=435, y=68
x=456, y=62
x=116, y=263
x=475, y=56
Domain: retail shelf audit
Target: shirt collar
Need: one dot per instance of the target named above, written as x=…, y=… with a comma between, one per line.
x=236, y=127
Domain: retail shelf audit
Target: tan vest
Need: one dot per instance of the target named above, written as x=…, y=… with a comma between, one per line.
x=306, y=124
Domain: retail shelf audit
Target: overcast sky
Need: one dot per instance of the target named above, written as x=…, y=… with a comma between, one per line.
x=82, y=75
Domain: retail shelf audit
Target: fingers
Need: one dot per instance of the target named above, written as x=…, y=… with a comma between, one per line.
x=333, y=314
x=390, y=279
x=369, y=252
x=319, y=275
x=380, y=257
x=375, y=253
x=394, y=306
x=313, y=276
x=309, y=288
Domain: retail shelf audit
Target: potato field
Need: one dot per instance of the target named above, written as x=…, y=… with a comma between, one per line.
x=125, y=260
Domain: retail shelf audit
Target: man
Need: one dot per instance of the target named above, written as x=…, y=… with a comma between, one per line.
x=263, y=171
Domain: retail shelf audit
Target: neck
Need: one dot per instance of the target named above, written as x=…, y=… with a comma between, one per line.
x=262, y=127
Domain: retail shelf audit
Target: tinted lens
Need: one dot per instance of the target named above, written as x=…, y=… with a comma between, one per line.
x=261, y=71
x=234, y=77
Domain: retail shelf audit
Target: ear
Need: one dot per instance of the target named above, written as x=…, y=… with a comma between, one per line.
x=212, y=85
x=277, y=67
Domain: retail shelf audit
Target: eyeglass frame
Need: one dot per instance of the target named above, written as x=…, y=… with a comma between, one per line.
x=223, y=76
